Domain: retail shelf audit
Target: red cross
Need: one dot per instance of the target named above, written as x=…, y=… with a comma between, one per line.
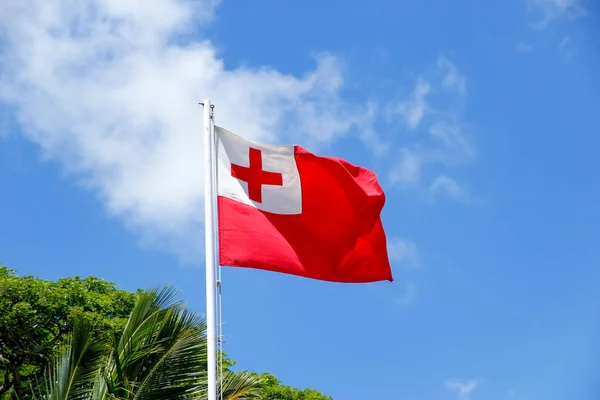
x=255, y=176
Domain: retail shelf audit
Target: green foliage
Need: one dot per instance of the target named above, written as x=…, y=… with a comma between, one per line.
x=161, y=354
x=70, y=373
x=272, y=389
x=37, y=316
x=85, y=339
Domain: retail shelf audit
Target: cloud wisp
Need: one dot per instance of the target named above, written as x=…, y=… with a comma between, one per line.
x=440, y=141
x=415, y=108
x=551, y=10
x=403, y=253
x=463, y=387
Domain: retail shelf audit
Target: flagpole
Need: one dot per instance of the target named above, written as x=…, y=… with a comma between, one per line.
x=209, y=234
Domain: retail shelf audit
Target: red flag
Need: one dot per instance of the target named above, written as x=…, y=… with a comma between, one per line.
x=284, y=209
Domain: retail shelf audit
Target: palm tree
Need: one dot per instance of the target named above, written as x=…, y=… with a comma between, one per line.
x=161, y=354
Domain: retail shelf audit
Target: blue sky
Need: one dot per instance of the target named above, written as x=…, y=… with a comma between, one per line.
x=480, y=118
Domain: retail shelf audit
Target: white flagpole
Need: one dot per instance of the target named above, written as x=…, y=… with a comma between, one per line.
x=209, y=234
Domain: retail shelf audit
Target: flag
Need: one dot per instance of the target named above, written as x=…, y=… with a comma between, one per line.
x=287, y=210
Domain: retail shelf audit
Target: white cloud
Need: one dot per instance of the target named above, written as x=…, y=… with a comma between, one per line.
x=564, y=43
x=403, y=252
x=550, y=10
x=5, y=122
x=368, y=134
x=407, y=169
x=455, y=147
x=445, y=143
x=463, y=387
x=524, y=47
x=110, y=89
x=409, y=296
x=567, y=48
x=414, y=109
x=445, y=186
x=404, y=255
x=452, y=79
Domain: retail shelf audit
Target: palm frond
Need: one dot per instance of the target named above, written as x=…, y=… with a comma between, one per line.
x=161, y=354
x=134, y=343
x=72, y=375
x=177, y=358
x=162, y=351
x=239, y=386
